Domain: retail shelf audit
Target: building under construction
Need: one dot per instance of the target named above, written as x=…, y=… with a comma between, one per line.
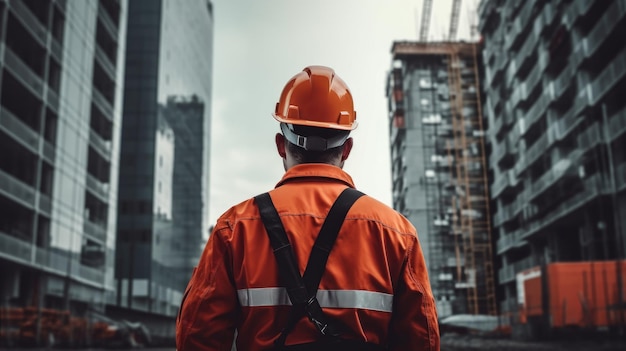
x=555, y=76
x=439, y=177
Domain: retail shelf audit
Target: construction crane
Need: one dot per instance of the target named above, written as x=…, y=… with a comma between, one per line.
x=454, y=19
x=427, y=6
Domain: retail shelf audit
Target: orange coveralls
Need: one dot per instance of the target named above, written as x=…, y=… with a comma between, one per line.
x=375, y=284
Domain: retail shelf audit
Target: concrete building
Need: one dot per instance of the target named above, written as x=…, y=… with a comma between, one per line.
x=61, y=69
x=163, y=183
x=555, y=76
x=439, y=170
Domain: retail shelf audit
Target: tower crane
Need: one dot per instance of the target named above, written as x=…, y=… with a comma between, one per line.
x=427, y=6
x=454, y=19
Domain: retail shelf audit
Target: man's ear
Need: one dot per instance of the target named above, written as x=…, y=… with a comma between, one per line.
x=347, y=147
x=280, y=145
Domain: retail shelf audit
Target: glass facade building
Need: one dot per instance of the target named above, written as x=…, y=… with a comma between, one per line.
x=60, y=116
x=555, y=76
x=164, y=164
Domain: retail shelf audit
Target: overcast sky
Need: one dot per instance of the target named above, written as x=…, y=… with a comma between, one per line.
x=261, y=44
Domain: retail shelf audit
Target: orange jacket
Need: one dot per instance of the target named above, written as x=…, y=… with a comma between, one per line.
x=375, y=283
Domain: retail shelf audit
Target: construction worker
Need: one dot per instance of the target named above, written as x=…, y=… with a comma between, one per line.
x=374, y=289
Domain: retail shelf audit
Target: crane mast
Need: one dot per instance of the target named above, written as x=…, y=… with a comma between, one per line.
x=427, y=6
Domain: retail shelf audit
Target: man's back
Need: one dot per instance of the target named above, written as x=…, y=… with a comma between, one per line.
x=375, y=270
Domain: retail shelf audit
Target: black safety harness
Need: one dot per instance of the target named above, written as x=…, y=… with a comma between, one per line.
x=302, y=290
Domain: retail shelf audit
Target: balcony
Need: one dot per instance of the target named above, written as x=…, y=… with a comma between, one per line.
x=581, y=102
x=497, y=124
x=609, y=76
x=603, y=28
x=56, y=49
x=17, y=190
x=105, y=62
x=513, y=34
x=563, y=167
x=588, y=45
x=509, y=241
x=534, y=77
x=545, y=18
x=49, y=152
x=593, y=187
x=617, y=124
x=501, y=61
x=564, y=80
x=508, y=114
x=29, y=20
x=101, y=145
x=582, y=7
x=90, y=274
x=22, y=72
x=53, y=100
x=15, y=249
x=102, y=103
x=504, y=151
x=519, y=94
x=537, y=111
x=519, y=25
x=515, y=133
x=504, y=181
x=510, y=211
x=60, y=261
x=532, y=154
x=19, y=130
x=589, y=138
x=96, y=230
x=108, y=23
x=45, y=204
x=98, y=188
x=564, y=126
x=53, y=259
x=507, y=273
x=620, y=177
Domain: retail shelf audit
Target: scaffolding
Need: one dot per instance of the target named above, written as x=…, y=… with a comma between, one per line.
x=466, y=189
x=471, y=222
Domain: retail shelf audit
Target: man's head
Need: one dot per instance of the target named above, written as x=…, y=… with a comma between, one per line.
x=316, y=114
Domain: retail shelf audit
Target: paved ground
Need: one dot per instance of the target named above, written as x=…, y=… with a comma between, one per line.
x=469, y=343
x=452, y=342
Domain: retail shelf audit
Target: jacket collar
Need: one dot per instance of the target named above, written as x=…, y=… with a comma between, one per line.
x=316, y=170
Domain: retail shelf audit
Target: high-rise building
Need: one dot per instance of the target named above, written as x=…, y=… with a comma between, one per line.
x=163, y=182
x=555, y=76
x=439, y=169
x=61, y=64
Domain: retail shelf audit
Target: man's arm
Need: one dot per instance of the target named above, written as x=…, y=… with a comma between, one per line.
x=206, y=320
x=414, y=323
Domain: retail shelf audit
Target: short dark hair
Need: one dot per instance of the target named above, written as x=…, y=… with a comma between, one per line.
x=307, y=156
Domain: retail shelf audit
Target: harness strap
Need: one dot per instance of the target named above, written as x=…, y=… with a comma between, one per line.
x=302, y=290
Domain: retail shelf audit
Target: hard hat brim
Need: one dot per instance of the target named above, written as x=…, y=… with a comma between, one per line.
x=314, y=123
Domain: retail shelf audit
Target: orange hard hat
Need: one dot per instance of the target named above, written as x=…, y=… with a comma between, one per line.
x=316, y=97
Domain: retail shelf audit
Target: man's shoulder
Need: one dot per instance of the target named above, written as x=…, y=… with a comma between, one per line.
x=370, y=208
x=245, y=209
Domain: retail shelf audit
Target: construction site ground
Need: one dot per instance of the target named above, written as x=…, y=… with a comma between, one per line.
x=455, y=342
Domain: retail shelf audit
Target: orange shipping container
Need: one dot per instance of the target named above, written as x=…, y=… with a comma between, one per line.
x=583, y=294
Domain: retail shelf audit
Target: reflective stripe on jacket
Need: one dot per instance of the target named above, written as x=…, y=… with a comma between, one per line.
x=376, y=270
